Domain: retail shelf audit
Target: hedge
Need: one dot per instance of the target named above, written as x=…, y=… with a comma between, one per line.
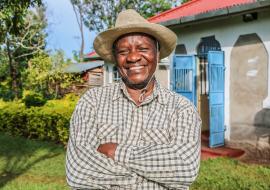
x=50, y=122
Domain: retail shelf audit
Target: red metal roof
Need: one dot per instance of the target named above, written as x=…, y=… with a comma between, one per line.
x=195, y=7
x=91, y=54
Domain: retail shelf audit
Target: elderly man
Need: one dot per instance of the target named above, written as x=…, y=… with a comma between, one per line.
x=133, y=134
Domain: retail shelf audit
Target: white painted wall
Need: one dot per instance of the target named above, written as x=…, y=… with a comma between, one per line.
x=227, y=31
x=108, y=73
x=105, y=74
x=163, y=76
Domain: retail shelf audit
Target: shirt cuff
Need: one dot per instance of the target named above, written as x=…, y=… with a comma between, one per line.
x=122, y=154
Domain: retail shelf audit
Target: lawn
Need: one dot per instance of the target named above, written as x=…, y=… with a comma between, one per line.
x=35, y=165
x=31, y=165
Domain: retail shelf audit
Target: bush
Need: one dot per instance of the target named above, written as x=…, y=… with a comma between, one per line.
x=71, y=97
x=50, y=122
x=5, y=91
x=34, y=99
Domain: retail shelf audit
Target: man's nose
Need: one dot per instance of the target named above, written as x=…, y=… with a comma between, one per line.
x=133, y=57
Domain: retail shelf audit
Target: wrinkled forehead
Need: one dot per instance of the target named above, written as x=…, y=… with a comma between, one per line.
x=144, y=36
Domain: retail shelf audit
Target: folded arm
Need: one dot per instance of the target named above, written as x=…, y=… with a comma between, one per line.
x=174, y=165
x=85, y=166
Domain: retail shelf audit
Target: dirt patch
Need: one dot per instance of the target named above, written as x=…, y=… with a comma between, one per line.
x=255, y=153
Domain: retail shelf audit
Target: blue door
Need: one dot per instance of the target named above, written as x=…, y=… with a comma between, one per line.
x=184, y=76
x=216, y=97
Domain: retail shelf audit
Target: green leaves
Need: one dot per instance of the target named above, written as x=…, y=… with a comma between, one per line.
x=12, y=15
x=34, y=99
x=101, y=14
x=22, y=36
x=49, y=122
x=45, y=75
x=185, y=1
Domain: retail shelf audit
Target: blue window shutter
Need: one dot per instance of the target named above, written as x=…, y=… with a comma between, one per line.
x=216, y=97
x=184, y=76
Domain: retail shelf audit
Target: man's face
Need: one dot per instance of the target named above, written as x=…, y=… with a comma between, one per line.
x=136, y=56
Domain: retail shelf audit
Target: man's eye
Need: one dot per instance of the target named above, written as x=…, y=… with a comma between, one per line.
x=142, y=49
x=123, y=52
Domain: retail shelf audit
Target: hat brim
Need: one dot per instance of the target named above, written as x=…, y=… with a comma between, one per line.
x=103, y=43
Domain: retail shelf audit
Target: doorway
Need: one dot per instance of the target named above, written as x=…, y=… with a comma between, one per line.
x=206, y=44
x=200, y=78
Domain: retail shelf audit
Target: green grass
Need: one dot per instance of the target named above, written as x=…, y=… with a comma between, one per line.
x=31, y=165
x=229, y=174
x=35, y=165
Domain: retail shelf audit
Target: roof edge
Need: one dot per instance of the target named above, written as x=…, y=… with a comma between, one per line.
x=217, y=13
x=173, y=9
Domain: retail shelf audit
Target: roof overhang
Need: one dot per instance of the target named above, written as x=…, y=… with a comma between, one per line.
x=82, y=67
x=218, y=14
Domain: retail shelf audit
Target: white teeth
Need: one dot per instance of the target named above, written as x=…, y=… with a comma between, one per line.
x=135, y=68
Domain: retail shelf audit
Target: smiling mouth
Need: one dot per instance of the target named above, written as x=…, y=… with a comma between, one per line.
x=136, y=68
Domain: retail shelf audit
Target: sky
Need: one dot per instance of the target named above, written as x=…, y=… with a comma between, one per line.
x=63, y=29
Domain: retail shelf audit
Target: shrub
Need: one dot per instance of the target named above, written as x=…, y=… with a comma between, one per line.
x=5, y=91
x=71, y=97
x=34, y=99
x=50, y=122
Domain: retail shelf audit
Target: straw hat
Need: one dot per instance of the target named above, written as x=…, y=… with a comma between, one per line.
x=129, y=21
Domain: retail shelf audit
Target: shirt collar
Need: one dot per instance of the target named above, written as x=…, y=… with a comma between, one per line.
x=158, y=92
x=117, y=91
x=162, y=96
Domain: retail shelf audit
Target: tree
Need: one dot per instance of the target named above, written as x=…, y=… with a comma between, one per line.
x=78, y=11
x=101, y=14
x=22, y=38
x=12, y=15
x=45, y=74
x=4, y=77
x=185, y=1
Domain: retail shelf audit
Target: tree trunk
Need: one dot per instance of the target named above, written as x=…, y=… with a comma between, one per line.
x=13, y=73
x=82, y=36
x=77, y=8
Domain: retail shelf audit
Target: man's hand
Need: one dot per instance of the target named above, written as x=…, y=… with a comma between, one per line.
x=108, y=149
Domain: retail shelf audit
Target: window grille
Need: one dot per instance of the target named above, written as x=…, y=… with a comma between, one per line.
x=116, y=75
x=207, y=44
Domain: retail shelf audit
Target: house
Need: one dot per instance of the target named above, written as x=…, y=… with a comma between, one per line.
x=90, y=71
x=221, y=63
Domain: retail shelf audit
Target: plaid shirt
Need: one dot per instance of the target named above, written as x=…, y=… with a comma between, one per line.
x=159, y=141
